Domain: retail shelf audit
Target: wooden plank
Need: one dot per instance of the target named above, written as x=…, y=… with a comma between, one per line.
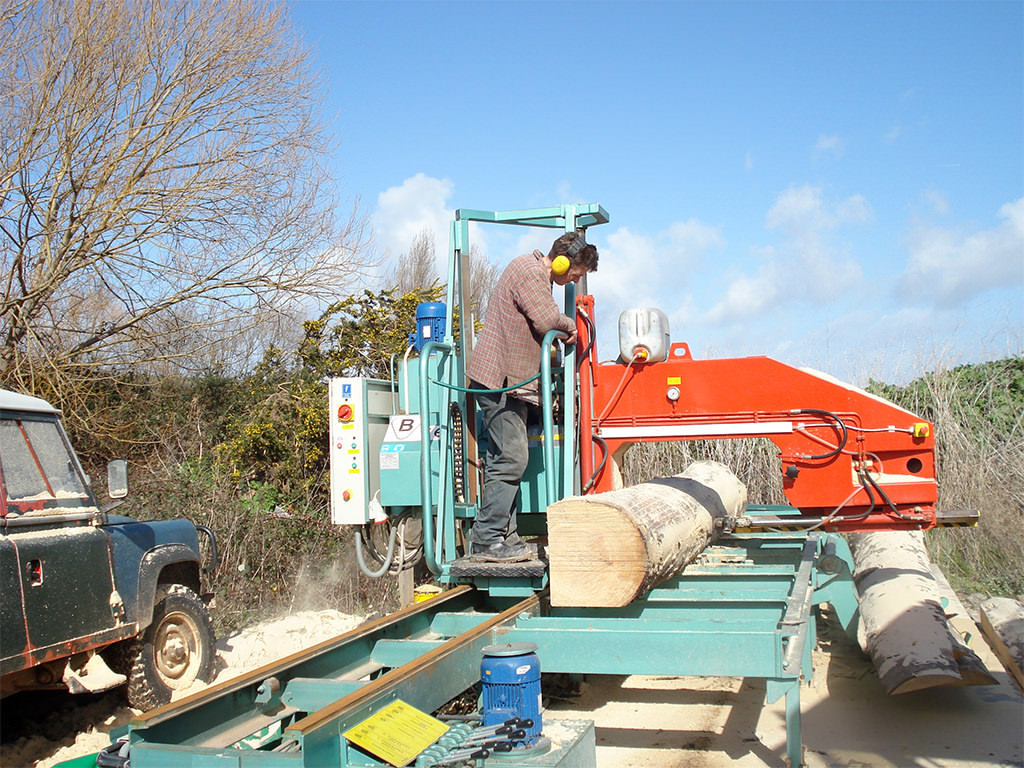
x=990, y=626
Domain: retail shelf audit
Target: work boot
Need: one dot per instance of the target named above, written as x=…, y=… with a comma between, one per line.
x=503, y=553
x=513, y=540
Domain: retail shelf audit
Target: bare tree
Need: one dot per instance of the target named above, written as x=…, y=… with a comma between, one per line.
x=483, y=276
x=415, y=269
x=162, y=182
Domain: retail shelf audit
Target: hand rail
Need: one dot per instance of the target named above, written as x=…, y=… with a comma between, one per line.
x=429, y=555
x=547, y=409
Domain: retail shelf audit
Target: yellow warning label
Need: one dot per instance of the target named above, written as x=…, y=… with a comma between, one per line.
x=397, y=733
x=674, y=380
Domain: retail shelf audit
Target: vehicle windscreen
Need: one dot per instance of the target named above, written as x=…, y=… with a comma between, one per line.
x=38, y=471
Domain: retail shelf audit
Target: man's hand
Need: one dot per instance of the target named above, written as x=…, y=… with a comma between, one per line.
x=571, y=338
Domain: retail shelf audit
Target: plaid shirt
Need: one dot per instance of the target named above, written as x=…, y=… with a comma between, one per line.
x=520, y=311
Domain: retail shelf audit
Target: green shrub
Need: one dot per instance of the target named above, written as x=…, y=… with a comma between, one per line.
x=979, y=443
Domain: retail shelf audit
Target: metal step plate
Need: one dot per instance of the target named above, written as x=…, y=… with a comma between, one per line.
x=467, y=566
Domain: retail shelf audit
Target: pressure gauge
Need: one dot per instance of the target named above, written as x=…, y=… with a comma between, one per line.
x=672, y=393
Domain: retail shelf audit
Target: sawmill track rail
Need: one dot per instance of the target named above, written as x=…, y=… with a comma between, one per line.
x=303, y=702
x=741, y=610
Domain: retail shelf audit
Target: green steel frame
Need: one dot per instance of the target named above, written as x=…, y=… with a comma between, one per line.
x=744, y=609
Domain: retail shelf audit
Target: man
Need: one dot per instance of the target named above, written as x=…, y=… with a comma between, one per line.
x=520, y=311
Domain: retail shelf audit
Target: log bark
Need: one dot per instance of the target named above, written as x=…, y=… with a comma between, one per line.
x=903, y=626
x=608, y=549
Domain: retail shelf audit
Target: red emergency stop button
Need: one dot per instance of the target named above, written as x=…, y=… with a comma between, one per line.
x=345, y=412
x=346, y=495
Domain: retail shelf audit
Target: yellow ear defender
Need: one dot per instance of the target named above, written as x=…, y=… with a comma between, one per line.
x=560, y=264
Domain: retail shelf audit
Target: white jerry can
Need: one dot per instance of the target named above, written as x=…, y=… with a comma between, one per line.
x=643, y=333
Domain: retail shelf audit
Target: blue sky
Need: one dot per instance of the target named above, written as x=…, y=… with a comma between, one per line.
x=834, y=184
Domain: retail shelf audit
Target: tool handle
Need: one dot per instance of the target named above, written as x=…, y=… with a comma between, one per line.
x=512, y=722
x=480, y=754
x=505, y=735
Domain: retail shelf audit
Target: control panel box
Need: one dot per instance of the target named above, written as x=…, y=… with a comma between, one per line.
x=401, y=461
x=359, y=412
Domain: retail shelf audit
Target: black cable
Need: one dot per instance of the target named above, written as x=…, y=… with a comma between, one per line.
x=842, y=431
x=867, y=490
x=365, y=533
x=881, y=493
x=887, y=500
x=600, y=467
x=591, y=338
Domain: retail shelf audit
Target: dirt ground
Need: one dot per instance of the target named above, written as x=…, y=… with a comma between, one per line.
x=847, y=720
x=76, y=726
x=663, y=722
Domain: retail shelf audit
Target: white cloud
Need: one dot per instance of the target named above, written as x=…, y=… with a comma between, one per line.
x=749, y=295
x=893, y=133
x=403, y=212
x=531, y=239
x=937, y=201
x=802, y=209
x=832, y=145
x=689, y=240
x=621, y=268
x=806, y=267
x=948, y=266
x=637, y=270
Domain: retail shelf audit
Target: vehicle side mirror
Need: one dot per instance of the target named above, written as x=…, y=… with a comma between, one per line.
x=117, y=478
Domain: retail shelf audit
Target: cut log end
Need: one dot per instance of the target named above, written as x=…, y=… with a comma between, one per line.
x=605, y=559
x=608, y=549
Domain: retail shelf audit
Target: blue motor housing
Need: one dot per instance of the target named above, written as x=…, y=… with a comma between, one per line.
x=430, y=317
x=510, y=678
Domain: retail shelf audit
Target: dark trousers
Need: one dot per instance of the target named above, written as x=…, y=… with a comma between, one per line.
x=504, y=418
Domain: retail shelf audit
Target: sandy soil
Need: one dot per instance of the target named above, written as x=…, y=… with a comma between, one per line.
x=848, y=720
x=663, y=722
x=84, y=728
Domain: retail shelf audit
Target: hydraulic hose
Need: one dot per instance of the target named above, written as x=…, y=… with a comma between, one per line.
x=844, y=435
x=387, y=557
x=604, y=460
x=592, y=337
x=887, y=500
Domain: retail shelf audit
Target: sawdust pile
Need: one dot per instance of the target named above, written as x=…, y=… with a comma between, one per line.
x=84, y=730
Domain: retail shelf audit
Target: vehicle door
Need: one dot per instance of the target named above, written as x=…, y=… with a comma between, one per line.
x=56, y=569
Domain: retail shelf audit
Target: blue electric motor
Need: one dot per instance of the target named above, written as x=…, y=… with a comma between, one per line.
x=510, y=677
x=430, y=316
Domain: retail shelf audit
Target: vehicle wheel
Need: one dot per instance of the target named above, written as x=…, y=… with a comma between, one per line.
x=177, y=648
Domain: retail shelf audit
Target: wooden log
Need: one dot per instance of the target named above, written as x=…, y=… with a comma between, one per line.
x=903, y=626
x=608, y=549
x=1002, y=622
x=978, y=665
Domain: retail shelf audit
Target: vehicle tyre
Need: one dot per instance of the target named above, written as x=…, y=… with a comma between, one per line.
x=177, y=648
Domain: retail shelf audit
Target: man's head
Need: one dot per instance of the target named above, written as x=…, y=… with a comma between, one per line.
x=571, y=257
